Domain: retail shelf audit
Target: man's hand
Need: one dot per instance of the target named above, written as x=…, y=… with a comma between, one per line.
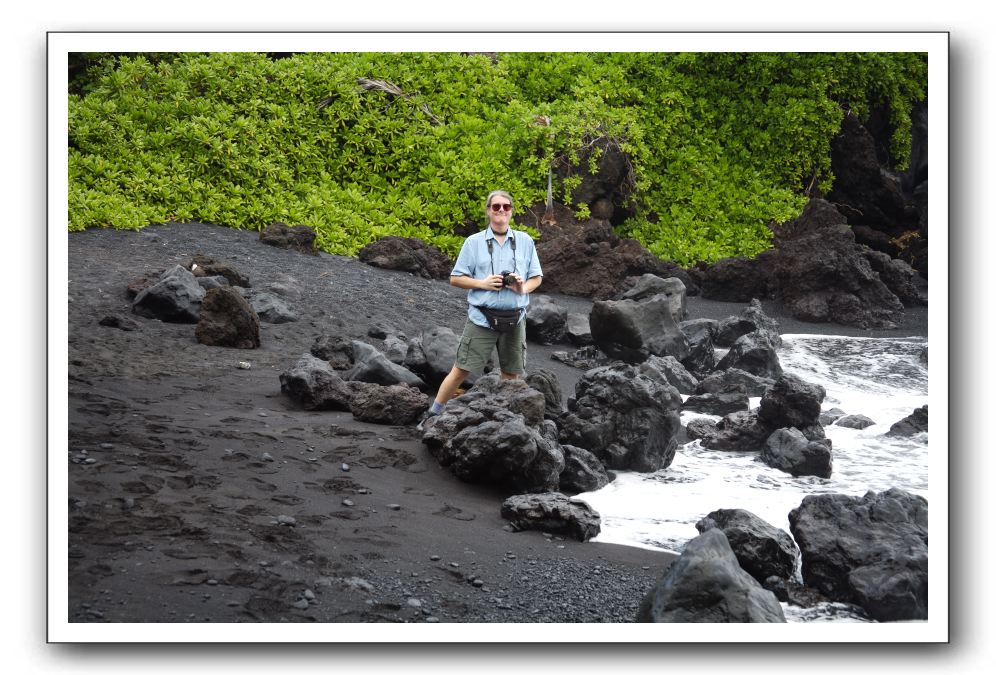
x=491, y=283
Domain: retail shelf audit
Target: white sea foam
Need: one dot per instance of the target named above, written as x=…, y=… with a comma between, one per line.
x=882, y=379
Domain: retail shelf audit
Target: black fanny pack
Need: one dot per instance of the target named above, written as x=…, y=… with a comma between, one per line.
x=501, y=320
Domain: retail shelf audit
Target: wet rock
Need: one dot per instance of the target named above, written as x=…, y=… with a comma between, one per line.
x=790, y=451
x=707, y=585
x=761, y=549
x=717, y=404
x=701, y=357
x=854, y=422
x=869, y=551
x=792, y=402
x=913, y=424
x=583, y=472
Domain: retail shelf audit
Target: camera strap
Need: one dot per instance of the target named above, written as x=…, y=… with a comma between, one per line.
x=491, y=253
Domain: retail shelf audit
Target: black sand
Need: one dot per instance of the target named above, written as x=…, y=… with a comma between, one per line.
x=175, y=516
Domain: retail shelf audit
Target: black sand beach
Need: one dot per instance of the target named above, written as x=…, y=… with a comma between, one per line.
x=176, y=515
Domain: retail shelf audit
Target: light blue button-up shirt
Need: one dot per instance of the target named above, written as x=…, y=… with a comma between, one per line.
x=475, y=262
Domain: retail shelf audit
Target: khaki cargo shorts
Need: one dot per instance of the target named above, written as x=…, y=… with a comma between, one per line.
x=477, y=344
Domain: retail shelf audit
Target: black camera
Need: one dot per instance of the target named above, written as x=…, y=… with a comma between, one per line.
x=507, y=279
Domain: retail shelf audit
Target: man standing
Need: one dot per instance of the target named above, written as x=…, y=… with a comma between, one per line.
x=499, y=268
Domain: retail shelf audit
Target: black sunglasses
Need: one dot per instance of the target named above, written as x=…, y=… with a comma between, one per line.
x=501, y=207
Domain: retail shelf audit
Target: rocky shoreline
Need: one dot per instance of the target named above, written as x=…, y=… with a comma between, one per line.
x=200, y=491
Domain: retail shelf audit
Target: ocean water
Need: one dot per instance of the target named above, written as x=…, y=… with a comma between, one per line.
x=883, y=379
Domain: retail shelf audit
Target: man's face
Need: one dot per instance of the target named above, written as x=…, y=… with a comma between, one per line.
x=499, y=213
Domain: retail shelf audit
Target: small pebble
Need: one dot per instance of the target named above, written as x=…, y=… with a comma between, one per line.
x=106, y=446
x=454, y=564
x=89, y=460
x=286, y=520
x=478, y=583
x=244, y=365
x=431, y=619
x=412, y=602
x=309, y=594
x=394, y=507
x=434, y=557
x=212, y=582
x=302, y=604
x=267, y=457
x=345, y=467
x=348, y=502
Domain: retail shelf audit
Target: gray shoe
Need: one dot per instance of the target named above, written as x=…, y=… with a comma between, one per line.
x=425, y=416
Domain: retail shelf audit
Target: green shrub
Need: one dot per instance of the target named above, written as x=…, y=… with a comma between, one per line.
x=720, y=145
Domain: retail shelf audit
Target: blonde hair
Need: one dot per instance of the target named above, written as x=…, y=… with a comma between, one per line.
x=497, y=193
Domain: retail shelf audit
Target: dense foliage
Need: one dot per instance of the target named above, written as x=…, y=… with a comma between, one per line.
x=720, y=144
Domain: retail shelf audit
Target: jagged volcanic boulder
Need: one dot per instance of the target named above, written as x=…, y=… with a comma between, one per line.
x=751, y=319
x=738, y=432
x=651, y=285
x=227, y=320
x=668, y=369
x=869, y=551
x=398, y=404
x=739, y=279
x=790, y=451
x=546, y=382
x=299, y=238
x=628, y=420
x=208, y=266
x=370, y=365
x=762, y=549
x=734, y=379
x=312, y=383
x=701, y=357
x=408, y=255
x=583, y=472
x=493, y=434
x=867, y=192
x=633, y=331
x=824, y=276
x=176, y=297
x=754, y=353
x=792, y=402
x=552, y=512
x=589, y=259
x=914, y=423
x=707, y=585
x=546, y=321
